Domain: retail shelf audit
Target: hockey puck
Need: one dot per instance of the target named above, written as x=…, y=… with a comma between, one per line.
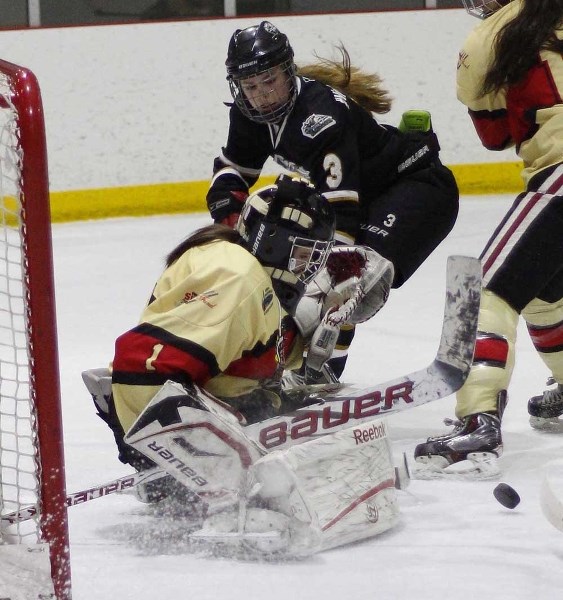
x=506, y=495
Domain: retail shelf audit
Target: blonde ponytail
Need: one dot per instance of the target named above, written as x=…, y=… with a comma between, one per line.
x=364, y=88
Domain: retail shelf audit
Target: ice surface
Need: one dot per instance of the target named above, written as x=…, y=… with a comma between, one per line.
x=454, y=540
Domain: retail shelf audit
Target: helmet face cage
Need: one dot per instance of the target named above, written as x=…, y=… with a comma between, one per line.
x=308, y=256
x=268, y=96
x=261, y=73
x=484, y=8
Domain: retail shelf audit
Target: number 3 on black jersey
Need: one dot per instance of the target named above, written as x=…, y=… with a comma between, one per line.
x=333, y=167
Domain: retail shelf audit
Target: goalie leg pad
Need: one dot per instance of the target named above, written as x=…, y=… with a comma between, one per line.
x=207, y=452
x=341, y=485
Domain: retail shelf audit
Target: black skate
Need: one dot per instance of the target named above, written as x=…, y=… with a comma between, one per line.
x=546, y=409
x=470, y=450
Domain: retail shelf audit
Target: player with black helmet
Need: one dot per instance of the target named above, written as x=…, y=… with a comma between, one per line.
x=389, y=191
x=261, y=73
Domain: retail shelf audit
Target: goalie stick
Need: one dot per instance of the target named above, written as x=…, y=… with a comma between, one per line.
x=121, y=484
x=335, y=406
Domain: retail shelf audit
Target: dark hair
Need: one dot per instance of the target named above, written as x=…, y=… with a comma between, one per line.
x=204, y=235
x=517, y=44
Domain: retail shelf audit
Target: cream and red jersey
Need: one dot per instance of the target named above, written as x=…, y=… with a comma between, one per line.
x=528, y=115
x=214, y=320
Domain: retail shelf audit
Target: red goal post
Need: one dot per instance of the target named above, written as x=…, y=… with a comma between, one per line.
x=31, y=438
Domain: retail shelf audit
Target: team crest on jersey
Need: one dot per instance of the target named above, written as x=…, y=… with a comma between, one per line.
x=315, y=124
x=204, y=297
x=267, y=299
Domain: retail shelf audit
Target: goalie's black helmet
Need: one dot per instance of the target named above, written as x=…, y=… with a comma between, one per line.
x=256, y=50
x=289, y=227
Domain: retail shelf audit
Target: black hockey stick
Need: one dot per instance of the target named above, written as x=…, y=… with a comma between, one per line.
x=334, y=406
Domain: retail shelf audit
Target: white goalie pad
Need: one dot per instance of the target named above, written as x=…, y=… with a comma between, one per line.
x=25, y=572
x=205, y=451
x=330, y=491
x=342, y=485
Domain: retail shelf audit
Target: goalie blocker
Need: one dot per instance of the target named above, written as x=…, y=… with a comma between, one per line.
x=323, y=493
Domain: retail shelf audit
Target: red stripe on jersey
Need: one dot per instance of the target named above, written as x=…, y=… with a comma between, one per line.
x=492, y=128
x=141, y=353
x=491, y=349
x=537, y=90
x=524, y=209
x=264, y=364
x=517, y=123
x=254, y=367
x=547, y=339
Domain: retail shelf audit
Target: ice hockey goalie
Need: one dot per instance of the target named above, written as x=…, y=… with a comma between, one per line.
x=318, y=494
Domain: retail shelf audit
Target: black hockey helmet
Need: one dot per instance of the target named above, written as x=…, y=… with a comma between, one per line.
x=252, y=52
x=289, y=228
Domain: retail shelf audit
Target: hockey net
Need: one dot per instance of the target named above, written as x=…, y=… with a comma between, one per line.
x=31, y=452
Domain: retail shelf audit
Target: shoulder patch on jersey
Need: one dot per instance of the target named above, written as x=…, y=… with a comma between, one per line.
x=315, y=124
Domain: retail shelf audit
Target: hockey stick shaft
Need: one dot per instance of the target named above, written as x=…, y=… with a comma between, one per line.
x=121, y=484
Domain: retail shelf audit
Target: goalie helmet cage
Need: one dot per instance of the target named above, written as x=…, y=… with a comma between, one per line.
x=31, y=440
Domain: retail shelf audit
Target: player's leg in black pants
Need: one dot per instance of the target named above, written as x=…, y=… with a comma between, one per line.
x=405, y=224
x=409, y=220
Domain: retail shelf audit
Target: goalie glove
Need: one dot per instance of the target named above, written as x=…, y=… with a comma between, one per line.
x=352, y=288
x=361, y=281
x=356, y=280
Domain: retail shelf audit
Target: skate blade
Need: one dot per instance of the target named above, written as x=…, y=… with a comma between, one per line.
x=478, y=466
x=551, y=425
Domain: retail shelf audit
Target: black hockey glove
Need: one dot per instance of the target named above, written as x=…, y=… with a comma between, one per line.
x=225, y=206
x=422, y=151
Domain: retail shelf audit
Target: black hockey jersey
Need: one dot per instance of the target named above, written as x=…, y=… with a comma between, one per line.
x=327, y=138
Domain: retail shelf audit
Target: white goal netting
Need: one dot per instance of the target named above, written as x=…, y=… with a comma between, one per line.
x=34, y=548
x=19, y=467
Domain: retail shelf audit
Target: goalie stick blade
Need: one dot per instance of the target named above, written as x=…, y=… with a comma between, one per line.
x=461, y=311
x=336, y=406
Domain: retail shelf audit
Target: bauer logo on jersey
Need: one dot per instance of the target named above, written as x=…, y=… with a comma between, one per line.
x=315, y=124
